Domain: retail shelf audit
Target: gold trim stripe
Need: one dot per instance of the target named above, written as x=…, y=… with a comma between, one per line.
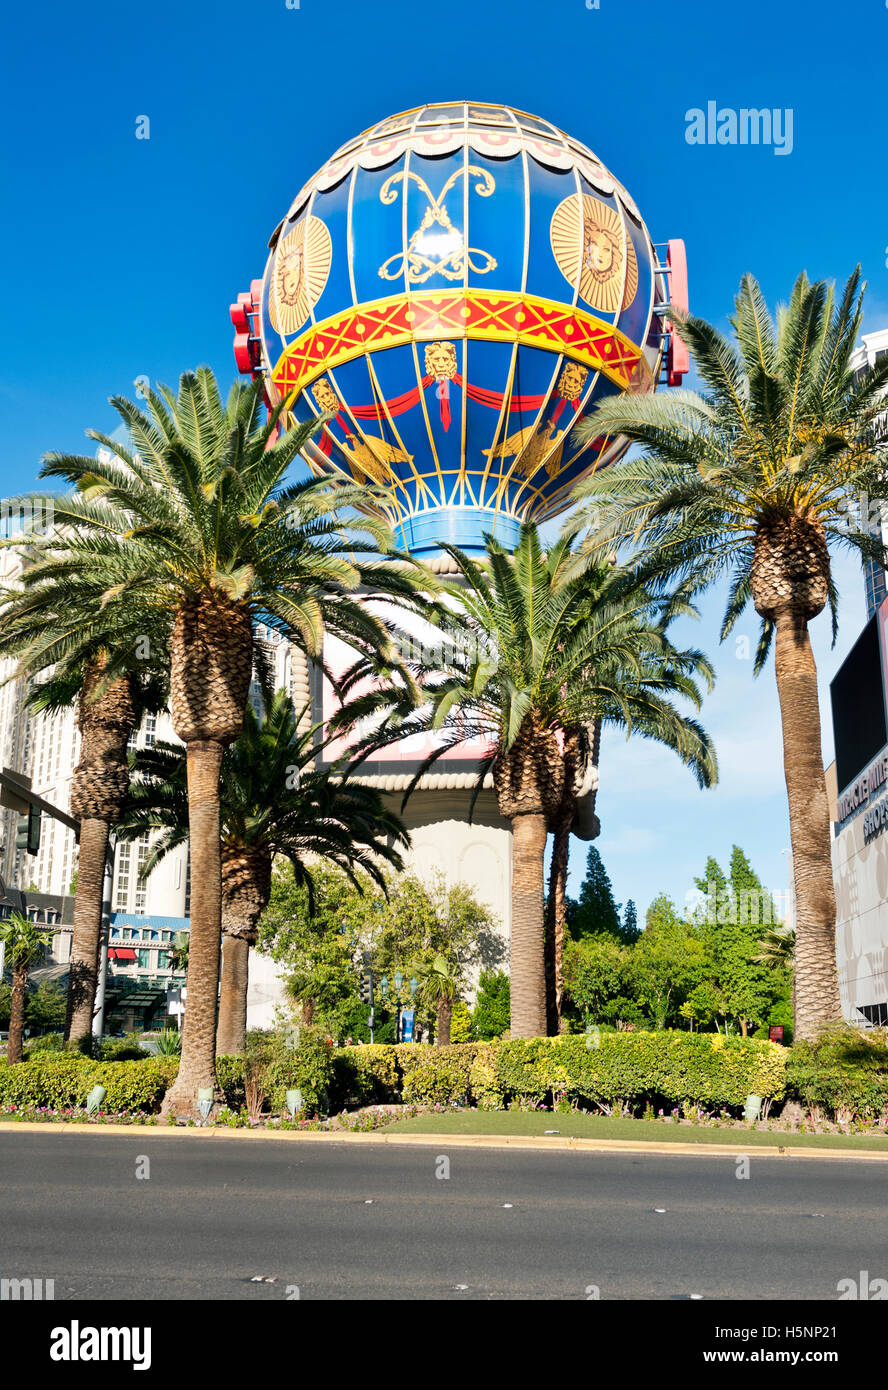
x=422, y=316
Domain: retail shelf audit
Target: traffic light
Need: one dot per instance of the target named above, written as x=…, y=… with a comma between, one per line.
x=367, y=987
x=27, y=832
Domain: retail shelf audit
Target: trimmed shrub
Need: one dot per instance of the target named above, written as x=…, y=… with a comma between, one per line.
x=601, y=1068
x=277, y=1068
x=230, y=1076
x=436, y=1075
x=636, y=1068
x=461, y=1026
x=45, y=1042
x=365, y=1076
x=485, y=1086
x=308, y=1066
x=66, y=1080
x=845, y=1073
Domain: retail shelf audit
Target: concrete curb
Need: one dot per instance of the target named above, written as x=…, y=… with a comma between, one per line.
x=530, y=1142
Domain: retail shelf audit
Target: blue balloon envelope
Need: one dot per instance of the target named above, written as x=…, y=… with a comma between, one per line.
x=458, y=287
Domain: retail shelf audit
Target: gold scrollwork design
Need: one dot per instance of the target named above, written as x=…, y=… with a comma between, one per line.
x=449, y=256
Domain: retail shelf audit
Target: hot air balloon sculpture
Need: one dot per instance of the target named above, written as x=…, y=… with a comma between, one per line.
x=457, y=287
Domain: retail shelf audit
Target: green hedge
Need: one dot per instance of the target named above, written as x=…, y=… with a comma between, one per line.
x=845, y=1073
x=365, y=1076
x=309, y=1067
x=65, y=1080
x=704, y=1068
x=437, y=1075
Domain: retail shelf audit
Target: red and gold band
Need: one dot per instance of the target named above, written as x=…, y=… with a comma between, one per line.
x=485, y=316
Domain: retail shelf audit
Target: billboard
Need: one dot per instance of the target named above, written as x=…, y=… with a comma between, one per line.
x=857, y=695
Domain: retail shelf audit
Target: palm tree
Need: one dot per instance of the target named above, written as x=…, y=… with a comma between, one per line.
x=109, y=670
x=439, y=984
x=272, y=802
x=776, y=947
x=25, y=946
x=537, y=647
x=177, y=956
x=753, y=479
x=580, y=752
x=193, y=521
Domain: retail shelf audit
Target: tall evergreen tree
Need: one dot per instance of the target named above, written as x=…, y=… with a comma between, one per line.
x=729, y=927
x=631, y=929
x=754, y=903
x=595, y=909
x=714, y=886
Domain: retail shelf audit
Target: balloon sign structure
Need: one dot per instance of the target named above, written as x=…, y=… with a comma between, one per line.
x=457, y=287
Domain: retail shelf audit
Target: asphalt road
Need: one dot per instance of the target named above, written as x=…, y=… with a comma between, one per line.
x=342, y=1221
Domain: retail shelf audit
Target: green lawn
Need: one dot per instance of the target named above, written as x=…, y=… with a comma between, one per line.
x=520, y=1123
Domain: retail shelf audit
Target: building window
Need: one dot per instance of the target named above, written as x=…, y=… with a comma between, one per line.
x=121, y=899
x=144, y=958
x=141, y=898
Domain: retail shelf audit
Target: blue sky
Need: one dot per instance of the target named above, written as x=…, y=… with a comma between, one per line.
x=121, y=256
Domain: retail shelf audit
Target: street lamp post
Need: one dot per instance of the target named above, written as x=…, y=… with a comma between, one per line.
x=98, y=1023
x=399, y=999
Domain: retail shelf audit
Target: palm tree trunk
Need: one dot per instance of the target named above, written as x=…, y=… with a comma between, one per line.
x=556, y=909
x=98, y=794
x=197, y=1069
x=817, y=1000
x=82, y=975
x=528, y=1017
x=232, y=1030
x=445, y=1013
x=15, y=1046
x=246, y=889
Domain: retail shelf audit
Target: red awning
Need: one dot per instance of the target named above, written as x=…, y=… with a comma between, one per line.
x=121, y=953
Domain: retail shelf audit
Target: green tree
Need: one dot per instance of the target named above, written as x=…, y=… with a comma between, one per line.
x=595, y=909
x=755, y=906
x=667, y=962
x=729, y=924
x=193, y=521
x=45, y=1006
x=596, y=977
x=490, y=1016
x=754, y=479
x=316, y=937
x=328, y=940
x=25, y=945
x=631, y=930
x=717, y=895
